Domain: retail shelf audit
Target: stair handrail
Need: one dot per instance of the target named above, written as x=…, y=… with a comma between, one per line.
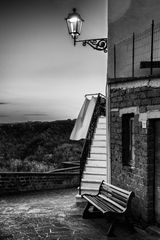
x=99, y=109
x=95, y=94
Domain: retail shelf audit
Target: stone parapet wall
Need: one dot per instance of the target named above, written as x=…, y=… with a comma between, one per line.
x=24, y=182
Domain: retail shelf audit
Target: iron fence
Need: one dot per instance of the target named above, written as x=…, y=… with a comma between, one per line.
x=139, y=55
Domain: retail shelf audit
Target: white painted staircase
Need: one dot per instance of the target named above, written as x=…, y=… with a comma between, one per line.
x=95, y=169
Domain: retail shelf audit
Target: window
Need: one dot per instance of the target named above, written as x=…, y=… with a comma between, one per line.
x=128, y=141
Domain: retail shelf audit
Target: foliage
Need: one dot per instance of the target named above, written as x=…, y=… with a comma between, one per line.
x=37, y=146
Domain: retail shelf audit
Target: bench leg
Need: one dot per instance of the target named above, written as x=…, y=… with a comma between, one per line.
x=129, y=223
x=110, y=232
x=95, y=213
x=86, y=213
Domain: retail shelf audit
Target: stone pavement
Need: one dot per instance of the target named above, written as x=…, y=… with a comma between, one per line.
x=53, y=215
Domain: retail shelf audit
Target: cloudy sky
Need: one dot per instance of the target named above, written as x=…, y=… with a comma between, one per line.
x=42, y=75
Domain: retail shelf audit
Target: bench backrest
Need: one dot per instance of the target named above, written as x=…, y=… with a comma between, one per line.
x=118, y=198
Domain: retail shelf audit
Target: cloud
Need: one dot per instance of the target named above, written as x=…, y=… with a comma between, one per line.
x=35, y=114
x=3, y=116
x=2, y=103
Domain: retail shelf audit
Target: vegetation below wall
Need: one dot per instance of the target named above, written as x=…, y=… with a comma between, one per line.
x=37, y=146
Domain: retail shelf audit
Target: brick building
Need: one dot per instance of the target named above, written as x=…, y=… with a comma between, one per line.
x=134, y=90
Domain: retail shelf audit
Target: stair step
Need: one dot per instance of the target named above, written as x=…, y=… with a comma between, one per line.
x=99, y=137
x=90, y=184
x=99, y=140
x=94, y=159
x=98, y=156
x=100, y=131
x=98, y=150
x=88, y=188
x=101, y=123
x=97, y=174
x=93, y=177
x=101, y=120
x=93, y=181
x=89, y=191
x=95, y=169
x=99, y=143
x=100, y=134
x=101, y=126
x=96, y=163
x=96, y=146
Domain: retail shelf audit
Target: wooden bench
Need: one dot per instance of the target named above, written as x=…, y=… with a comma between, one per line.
x=111, y=201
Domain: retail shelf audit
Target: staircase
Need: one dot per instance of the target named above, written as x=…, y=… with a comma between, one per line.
x=93, y=160
x=95, y=168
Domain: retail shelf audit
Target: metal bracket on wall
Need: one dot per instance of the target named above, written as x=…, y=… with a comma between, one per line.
x=97, y=44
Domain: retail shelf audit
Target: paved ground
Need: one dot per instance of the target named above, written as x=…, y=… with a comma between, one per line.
x=54, y=215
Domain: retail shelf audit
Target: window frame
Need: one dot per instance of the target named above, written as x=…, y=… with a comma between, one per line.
x=128, y=140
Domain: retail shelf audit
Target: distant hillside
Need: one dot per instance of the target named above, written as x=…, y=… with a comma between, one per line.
x=37, y=146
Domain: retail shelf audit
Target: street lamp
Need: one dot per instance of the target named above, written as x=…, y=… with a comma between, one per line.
x=74, y=23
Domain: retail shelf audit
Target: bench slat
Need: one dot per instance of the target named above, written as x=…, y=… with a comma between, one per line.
x=108, y=205
x=118, y=206
x=93, y=201
x=107, y=189
x=115, y=196
x=118, y=200
x=102, y=204
x=117, y=188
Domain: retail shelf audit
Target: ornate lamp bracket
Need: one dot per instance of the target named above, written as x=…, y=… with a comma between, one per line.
x=97, y=44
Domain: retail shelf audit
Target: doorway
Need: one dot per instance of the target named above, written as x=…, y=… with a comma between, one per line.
x=157, y=171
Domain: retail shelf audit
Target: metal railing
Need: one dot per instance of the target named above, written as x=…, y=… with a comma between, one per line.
x=98, y=110
x=138, y=55
x=66, y=169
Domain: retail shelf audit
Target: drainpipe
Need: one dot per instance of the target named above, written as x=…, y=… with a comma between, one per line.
x=108, y=170
x=108, y=132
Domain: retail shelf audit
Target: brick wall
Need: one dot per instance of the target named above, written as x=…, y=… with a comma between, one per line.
x=23, y=182
x=141, y=178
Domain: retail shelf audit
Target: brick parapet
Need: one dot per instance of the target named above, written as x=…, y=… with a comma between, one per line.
x=23, y=182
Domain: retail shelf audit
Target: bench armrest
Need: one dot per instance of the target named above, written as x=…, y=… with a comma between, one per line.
x=87, y=194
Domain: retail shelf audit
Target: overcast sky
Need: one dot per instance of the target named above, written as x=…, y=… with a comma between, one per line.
x=42, y=75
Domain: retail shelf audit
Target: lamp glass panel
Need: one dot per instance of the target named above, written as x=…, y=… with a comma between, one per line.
x=79, y=26
x=74, y=26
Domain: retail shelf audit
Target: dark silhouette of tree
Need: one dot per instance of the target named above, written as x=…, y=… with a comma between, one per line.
x=37, y=146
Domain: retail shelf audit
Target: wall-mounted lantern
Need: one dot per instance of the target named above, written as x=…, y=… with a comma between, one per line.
x=74, y=23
